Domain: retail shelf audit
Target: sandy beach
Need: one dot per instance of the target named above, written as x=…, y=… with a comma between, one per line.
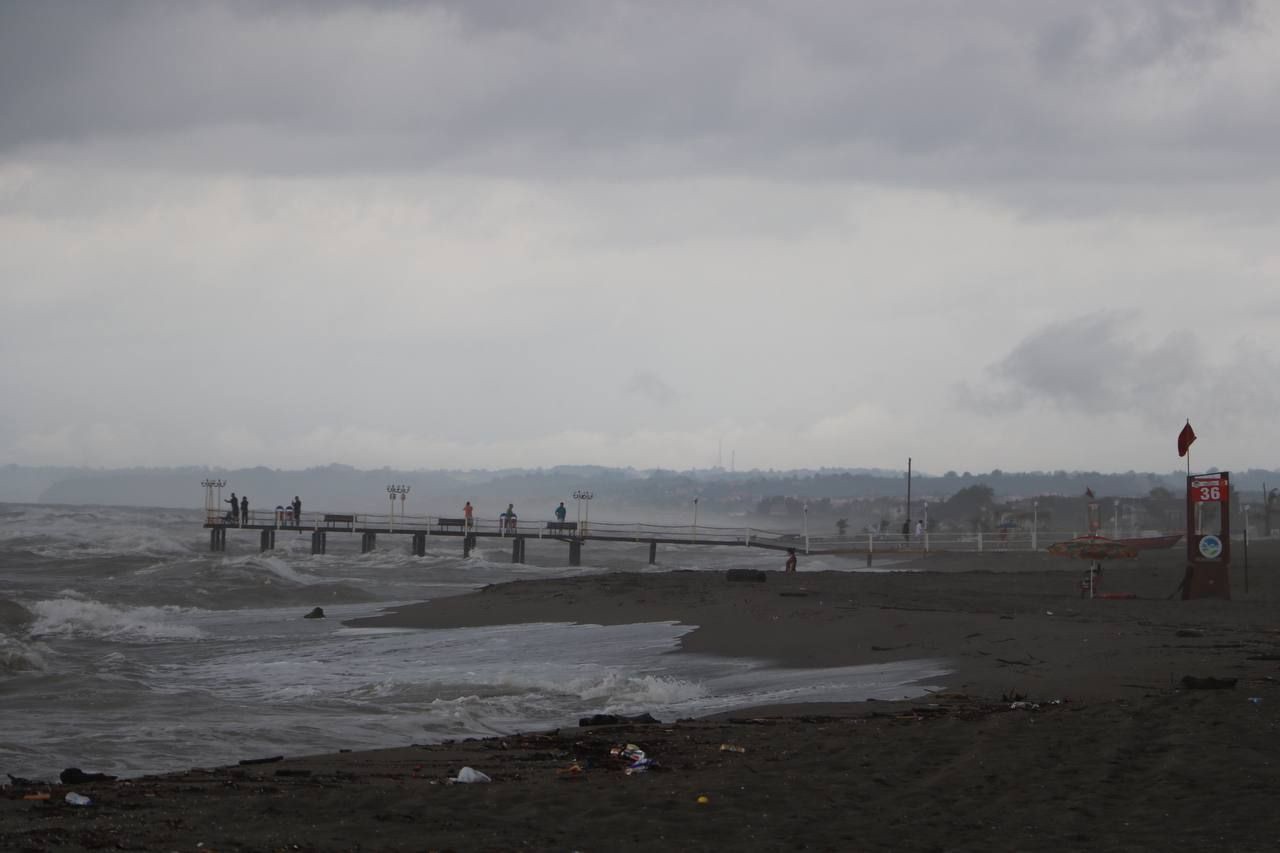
x=1109, y=752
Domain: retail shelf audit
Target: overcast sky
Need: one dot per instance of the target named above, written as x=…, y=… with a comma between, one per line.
x=1024, y=235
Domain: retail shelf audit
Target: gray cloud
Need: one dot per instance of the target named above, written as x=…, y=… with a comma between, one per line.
x=651, y=387
x=901, y=91
x=1095, y=365
x=474, y=232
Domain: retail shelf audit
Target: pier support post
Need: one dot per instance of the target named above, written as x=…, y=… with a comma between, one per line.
x=575, y=552
x=267, y=540
x=368, y=542
x=419, y=544
x=653, y=553
x=317, y=542
x=218, y=539
x=517, y=550
x=468, y=542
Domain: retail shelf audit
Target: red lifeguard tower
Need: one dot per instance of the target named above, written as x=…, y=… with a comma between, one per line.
x=1208, y=536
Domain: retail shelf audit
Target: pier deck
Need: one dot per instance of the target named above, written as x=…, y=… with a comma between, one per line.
x=420, y=529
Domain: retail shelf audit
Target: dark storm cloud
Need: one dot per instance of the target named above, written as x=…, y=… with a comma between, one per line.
x=904, y=91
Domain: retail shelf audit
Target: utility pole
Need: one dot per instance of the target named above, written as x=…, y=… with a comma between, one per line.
x=908, y=494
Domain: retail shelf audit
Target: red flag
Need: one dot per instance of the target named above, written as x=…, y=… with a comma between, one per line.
x=1185, y=438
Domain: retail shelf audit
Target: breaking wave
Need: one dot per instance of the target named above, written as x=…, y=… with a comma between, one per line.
x=70, y=617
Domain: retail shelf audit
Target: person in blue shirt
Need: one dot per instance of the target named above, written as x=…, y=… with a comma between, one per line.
x=561, y=512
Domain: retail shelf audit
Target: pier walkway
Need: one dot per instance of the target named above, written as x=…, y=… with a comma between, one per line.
x=371, y=526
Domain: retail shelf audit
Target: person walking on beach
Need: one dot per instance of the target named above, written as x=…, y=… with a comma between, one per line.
x=561, y=512
x=467, y=513
x=234, y=515
x=919, y=529
x=244, y=510
x=297, y=510
x=790, y=567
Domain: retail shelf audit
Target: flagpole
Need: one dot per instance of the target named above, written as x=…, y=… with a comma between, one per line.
x=1189, y=454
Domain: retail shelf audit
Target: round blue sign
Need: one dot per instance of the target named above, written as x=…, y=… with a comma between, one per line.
x=1211, y=547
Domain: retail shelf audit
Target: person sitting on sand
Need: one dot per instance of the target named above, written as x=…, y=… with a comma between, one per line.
x=791, y=561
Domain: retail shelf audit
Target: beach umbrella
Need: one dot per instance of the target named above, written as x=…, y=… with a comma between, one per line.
x=1095, y=549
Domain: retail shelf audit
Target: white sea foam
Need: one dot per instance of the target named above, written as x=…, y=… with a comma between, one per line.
x=263, y=564
x=70, y=617
x=18, y=656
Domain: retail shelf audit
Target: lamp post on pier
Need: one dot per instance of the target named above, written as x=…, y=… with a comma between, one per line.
x=1035, y=525
x=392, y=491
x=583, y=496
x=209, y=486
x=806, y=527
x=1115, y=522
x=695, y=519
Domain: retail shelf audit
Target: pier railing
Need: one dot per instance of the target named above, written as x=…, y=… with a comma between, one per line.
x=700, y=534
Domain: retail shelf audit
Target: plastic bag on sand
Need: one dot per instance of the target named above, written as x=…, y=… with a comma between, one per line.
x=470, y=776
x=78, y=799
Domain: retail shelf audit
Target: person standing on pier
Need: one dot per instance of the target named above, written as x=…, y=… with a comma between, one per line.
x=790, y=567
x=234, y=515
x=297, y=510
x=510, y=515
x=561, y=512
x=467, y=512
x=244, y=511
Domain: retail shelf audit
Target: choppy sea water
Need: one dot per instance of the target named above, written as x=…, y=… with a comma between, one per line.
x=127, y=647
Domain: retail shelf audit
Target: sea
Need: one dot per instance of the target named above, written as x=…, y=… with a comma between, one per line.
x=127, y=647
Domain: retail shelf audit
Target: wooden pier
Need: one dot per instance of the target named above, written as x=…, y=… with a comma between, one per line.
x=420, y=529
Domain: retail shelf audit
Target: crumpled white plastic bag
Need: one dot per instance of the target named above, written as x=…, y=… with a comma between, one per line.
x=469, y=776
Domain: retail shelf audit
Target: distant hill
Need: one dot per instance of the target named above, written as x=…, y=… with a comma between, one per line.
x=439, y=490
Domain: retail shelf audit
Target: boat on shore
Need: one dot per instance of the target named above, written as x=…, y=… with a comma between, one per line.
x=1152, y=543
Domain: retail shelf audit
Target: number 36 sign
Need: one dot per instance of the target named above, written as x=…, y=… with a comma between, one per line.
x=1210, y=488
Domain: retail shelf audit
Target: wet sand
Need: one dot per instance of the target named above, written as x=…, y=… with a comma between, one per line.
x=1117, y=756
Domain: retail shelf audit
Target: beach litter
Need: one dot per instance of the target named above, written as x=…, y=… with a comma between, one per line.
x=630, y=752
x=703, y=799
x=732, y=747
x=640, y=763
x=573, y=771
x=38, y=795
x=78, y=799
x=1024, y=706
x=470, y=776
x=1256, y=700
